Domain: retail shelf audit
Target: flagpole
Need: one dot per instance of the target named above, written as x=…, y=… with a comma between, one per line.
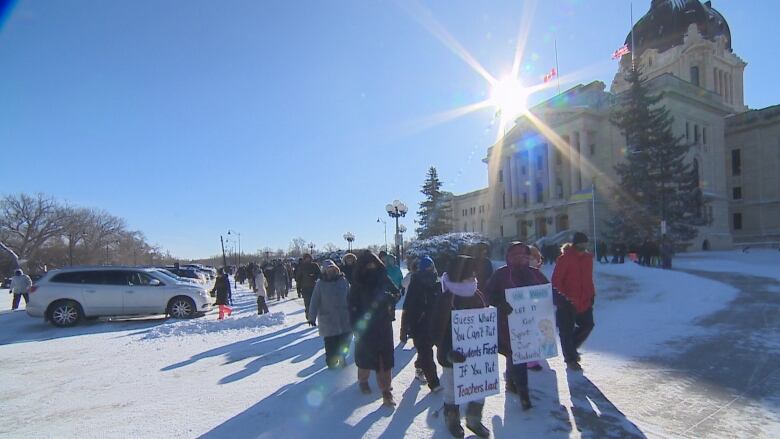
x=557, y=68
x=633, y=47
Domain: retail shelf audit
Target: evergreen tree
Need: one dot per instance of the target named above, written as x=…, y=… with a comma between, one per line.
x=656, y=181
x=435, y=211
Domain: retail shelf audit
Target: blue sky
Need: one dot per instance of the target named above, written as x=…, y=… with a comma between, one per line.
x=282, y=119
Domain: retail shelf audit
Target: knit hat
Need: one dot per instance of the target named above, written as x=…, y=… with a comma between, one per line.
x=327, y=263
x=425, y=263
x=579, y=238
x=516, y=249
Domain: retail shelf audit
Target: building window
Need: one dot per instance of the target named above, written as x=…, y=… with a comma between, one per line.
x=539, y=193
x=465, y=227
x=482, y=226
x=737, y=220
x=736, y=162
x=687, y=132
x=501, y=230
x=503, y=199
x=558, y=157
x=525, y=198
x=736, y=192
x=695, y=75
x=559, y=188
x=696, y=134
x=539, y=163
x=500, y=175
x=704, y=135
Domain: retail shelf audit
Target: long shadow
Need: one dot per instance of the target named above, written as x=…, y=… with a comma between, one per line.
x=548, y=418
x=273, y=351
x=28, y=329
x=608, y=421
x=246, y=348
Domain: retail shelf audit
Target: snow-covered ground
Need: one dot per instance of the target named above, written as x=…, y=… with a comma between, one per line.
x=653, y=368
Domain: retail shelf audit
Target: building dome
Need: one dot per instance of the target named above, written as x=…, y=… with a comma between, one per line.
x=665, y=24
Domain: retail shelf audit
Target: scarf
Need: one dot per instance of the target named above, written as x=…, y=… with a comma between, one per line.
x=461, y=289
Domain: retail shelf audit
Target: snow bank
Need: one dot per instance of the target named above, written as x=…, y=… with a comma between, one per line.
x=758, y=262
x=207, y=325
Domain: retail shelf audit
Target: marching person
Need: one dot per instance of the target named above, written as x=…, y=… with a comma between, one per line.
x=516, y=273
x=372, y=299
x=20, y=287
x=459, y=291
x=222, y=291
x=329, y=304
x=260, y=287
x=394, y=271
x=306, y=276
x=280, y=280
x=415, y=320
x=573, y=278
x=349, y=261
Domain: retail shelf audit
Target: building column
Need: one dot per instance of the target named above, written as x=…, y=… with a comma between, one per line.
x=515, y=181
x=551, y=175
x=507, y=182
x=532, y=157
x=572, y=163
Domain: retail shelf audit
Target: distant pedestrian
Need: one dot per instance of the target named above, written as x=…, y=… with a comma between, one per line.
x=421, y=294
x=329, y=304
x=372, y=299
x=573, y=278
x=20, y=288
x=348, y=266
x=459, y=285
x=222, y=292
x=260, y=286
x=393, y=270
x=601, y=249
x=280, y=280
x=306, y=276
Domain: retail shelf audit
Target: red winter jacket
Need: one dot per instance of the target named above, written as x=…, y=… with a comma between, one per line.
x=573, y=277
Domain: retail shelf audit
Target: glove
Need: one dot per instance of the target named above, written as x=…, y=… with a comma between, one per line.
x=457, y=357
x=506, y=308
x=312, y=324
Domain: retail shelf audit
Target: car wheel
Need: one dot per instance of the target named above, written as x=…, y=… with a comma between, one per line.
x=181, y=308
x=65, y=313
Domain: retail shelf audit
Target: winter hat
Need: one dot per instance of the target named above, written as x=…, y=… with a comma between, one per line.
x=327, y=263
x=425, y=263
x=349, y=256
x=18, y=272
x=514, y=250
x=579, y=238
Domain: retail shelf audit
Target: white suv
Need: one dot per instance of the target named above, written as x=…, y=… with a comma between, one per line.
x=65, y=296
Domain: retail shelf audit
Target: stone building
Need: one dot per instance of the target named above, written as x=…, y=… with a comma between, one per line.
x=553, y=171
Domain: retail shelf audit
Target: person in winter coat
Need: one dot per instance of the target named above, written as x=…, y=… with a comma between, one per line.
x=459, y=291
x=280, y=280
x=372, y=299
x=260, y=287
x=516, y=273
x=329, y=304
x=306, y=276
x=222, y=291
x=393, y=270
x=573, y=278
x=423, y=288
x=349, y=261
x=484, y=266
x=412, y=264
x=20, y=287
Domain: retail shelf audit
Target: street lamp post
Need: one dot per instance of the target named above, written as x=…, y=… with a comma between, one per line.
x=380, y=220
x=239, y=244
x=402, y=230
x=72, y=240
x=116, y=242
x=397, y=210
x=311, y=249
x=350, y=238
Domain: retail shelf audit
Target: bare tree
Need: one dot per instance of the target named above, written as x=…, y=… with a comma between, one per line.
x=298, y=247
x=27, y=222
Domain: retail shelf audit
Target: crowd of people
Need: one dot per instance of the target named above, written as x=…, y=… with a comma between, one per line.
x=356, y=298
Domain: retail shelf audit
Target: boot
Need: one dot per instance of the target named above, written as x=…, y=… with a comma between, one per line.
x=525, y=399
x=387, y=398
x=365, y=388
x=452, y=418
x=474, y=420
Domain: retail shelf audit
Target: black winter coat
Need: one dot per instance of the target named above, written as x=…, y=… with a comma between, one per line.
x=371, y=314
x=222, y=290
x=441, y=321
x=306, y=275
x=418, y=305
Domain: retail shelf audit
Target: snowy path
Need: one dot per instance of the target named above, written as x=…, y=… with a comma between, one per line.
x=672, y=355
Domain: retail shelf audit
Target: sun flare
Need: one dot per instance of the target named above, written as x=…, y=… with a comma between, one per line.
x=509, y=96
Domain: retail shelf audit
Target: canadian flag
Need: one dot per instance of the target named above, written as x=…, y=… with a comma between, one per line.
x=620, y=52
x=549, y=76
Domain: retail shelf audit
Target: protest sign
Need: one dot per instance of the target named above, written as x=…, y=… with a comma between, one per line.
x=475, y=335
x=532, y=330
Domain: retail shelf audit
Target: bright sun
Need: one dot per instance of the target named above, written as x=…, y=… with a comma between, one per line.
x=509, y=96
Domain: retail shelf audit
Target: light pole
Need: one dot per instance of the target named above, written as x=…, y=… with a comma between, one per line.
x=311, y=249
x=397, y=210
x=350, y=238
x=380, y=220
x=239, y=244
x=115, y=242
x=402, y=230
x=224, y=259
x=73, y=238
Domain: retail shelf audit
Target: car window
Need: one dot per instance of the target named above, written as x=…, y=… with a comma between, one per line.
x=139, y=278
x=69, y=278
x=116, y=277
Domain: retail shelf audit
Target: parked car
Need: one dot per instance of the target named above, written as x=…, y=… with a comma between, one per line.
x=66, y=296
x=176, y=277
x=189, y=273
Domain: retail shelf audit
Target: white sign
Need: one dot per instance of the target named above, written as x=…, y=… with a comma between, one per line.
x=475, y=335
x=532, y=330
